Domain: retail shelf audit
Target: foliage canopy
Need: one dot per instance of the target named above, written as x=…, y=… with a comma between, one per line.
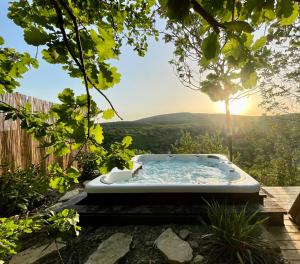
x=83, y=37
x=220, y=46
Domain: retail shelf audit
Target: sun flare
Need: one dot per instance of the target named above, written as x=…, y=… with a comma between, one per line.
x=237, y=107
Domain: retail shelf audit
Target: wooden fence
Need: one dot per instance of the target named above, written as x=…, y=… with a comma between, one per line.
x=17, y=148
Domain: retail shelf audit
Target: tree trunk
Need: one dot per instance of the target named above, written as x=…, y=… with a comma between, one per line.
x=228, y=129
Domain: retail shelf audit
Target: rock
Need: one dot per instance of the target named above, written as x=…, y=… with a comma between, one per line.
x=111, y=250
x=69, y=195
x=33, y=254
x=174, y=249
x=194, y=244
x=184, y=233
x=198, y=259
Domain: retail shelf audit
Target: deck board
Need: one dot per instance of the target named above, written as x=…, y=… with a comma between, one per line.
x=287, y=236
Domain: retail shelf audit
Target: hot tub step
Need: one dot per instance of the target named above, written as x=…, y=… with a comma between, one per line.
x=273, y=211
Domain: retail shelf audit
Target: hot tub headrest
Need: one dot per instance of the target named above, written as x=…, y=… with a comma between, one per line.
x=117, y=175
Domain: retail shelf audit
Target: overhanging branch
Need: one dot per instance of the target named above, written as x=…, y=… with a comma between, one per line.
x=216, y=25
x=72, y=53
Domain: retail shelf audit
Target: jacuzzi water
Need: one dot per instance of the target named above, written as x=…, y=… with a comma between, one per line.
x=156, y=173
x=182, y=171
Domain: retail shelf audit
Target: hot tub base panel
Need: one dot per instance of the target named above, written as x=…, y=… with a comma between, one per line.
x=153, y=209
x=171, y=198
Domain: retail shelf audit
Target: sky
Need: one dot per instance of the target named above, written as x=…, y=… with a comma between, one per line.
x=148, y=85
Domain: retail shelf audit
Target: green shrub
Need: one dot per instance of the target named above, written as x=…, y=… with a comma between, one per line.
x=63, y=224
x=234, y=236
x=88, y=166
x=22, y=190
x=11, y=229
x=206, y=143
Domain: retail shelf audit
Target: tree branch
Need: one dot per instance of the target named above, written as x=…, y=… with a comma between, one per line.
x=78, y=41
x=233, y=10
x=208, y=17
x=72, y=53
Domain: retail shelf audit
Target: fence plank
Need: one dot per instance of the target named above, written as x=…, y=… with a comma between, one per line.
x=17, y=148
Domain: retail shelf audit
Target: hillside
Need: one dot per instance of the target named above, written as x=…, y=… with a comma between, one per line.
x=157, y=133
x=193, y=118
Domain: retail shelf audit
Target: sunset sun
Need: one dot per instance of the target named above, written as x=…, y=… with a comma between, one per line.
x=237, y=107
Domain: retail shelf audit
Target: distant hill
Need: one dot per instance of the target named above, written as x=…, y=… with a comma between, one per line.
x=192, y=118
x=157, y=133
x=184, y=118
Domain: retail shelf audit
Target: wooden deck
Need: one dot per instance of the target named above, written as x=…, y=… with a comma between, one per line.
x=287, y=236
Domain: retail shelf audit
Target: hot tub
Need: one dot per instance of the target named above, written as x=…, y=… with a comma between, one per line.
x=180, y=173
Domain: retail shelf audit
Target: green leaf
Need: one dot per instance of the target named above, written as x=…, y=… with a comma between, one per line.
x=248, y=39
x=79, y=134
x=62, y=149
x=213, y=89
x=239, y=26
x=248, y=76
x=50, y=55
x=269, y=14
x=286, y=21
x=177, y=9
x=251, y=81
x=204, y=62
x=65, y=212
x=54, y=183
x=210, y=46
x=67, y=96
x=35, y=63
x=259, y=43
x=232, y=48
x=22, y=206
x=1, y=41
x=104, y=43
x=97, y=131
x=27, y=107
x=73, y=170
x=127, y=141
x=34, y=36
x=5, y=108
x=54, y=54
x=108, y=114
x=163, y=3
x=81, y=100
x=284, y=8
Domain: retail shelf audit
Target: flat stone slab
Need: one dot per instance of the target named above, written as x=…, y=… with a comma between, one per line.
x=111, y=250
x=174, y=249
x=33, y=254
x=55, y=206
x=70, y=194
